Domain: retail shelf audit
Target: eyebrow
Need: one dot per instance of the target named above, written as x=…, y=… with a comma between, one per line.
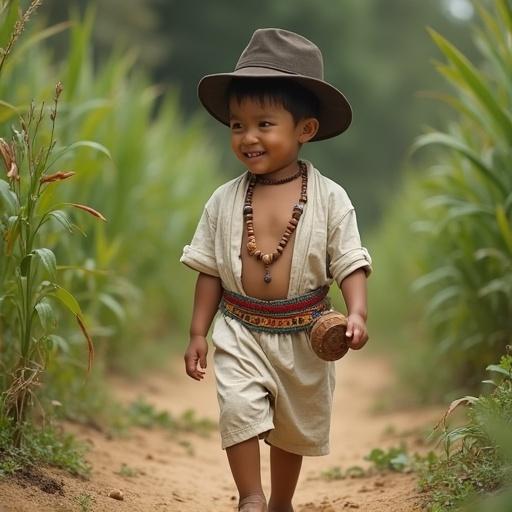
x=260, y=117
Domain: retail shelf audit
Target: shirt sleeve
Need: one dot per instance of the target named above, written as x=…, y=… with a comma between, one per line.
x=345, y=253
x=200, y=253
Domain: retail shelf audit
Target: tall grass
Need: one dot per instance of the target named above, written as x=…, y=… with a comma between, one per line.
x=460, y=210
x=468, y=215
x=29, y=281
x=150, y=183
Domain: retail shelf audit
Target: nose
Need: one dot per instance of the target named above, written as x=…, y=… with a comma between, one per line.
x=249, y=137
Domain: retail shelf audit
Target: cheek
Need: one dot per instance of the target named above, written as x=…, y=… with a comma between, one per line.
x=234, y=143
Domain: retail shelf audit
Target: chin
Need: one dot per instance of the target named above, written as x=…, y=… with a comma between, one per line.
x=256, y=168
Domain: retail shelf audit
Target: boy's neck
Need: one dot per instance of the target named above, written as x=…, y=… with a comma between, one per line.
x=288, y=173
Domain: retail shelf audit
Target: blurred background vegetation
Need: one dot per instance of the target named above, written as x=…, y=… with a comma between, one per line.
x=130, y=69
x=376, y=52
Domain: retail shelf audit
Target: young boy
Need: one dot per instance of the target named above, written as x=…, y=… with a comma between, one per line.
x=267, y=247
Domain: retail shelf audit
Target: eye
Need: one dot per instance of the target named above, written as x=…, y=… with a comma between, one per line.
x=265, y=124
x=235, y=125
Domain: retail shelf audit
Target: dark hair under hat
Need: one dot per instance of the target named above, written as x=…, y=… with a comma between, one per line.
x=278, y=53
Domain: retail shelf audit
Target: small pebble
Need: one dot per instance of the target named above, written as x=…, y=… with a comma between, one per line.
x=116, y=494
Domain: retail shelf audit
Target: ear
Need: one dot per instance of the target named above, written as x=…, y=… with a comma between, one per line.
x=308, y=129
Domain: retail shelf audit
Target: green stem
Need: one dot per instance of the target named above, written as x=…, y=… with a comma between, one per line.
x=28, y=316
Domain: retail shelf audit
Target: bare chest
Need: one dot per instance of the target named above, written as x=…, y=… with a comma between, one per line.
x=272, y=210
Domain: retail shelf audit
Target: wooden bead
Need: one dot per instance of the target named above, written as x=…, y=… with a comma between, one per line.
x=294, y=221
x=251, y=247
x=280, y=249
x=258, y=254
x=267, y=259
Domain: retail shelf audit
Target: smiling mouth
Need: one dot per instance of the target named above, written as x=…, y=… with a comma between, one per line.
x=254, y=154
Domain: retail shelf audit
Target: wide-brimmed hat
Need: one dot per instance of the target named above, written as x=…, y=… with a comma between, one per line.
x=278, y=53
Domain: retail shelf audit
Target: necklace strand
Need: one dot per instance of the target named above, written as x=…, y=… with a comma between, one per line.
x=298, y=208
x=267, y=181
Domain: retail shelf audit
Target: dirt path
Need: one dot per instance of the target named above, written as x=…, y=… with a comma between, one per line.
x=191, y=474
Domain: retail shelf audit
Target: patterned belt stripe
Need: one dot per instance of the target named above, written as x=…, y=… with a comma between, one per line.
x=299, y=303
x=278, y=320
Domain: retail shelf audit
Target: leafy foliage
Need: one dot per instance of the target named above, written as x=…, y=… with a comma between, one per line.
x=478, y=453
x=41, y=446
x=28, y=268
x=468, y=214
x=118, y=280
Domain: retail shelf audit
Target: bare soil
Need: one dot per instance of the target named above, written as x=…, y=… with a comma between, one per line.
x=190, y=473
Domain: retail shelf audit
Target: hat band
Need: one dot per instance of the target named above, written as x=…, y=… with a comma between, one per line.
x=269, y=65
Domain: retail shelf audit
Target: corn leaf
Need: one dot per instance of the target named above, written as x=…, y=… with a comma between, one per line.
x=46, y=315
x=8, y=198
x=475, y=82
x=67, y=299
x=455, y=144
x=48, y=260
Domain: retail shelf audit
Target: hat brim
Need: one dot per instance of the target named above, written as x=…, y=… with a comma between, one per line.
x=334, y=116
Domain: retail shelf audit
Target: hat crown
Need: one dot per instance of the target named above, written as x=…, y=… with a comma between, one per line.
x=284, y=51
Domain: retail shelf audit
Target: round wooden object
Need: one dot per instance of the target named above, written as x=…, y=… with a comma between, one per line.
x=328, y=336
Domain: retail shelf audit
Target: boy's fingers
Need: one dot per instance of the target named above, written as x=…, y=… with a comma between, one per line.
x=191, y=365
x=360, y=341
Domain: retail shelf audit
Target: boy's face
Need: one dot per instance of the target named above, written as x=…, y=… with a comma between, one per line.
x=264, y=136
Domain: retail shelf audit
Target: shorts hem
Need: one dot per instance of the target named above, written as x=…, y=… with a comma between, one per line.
x=243, y=434
x=309, y=450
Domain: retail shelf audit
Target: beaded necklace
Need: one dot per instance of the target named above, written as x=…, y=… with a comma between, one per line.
x=266, y=181
x=298, y=208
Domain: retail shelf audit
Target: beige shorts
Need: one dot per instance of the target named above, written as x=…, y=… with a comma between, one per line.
x=272, y=386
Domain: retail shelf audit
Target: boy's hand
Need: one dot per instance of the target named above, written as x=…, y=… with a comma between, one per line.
x=356, y=331
x=195, y=357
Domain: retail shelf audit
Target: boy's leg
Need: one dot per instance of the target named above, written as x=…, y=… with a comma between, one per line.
x=284, y=470
x=244, y=460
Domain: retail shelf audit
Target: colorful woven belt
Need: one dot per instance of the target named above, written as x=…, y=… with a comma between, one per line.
x=276, y=316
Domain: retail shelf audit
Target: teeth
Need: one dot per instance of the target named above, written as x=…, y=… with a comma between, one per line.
x=252, y=155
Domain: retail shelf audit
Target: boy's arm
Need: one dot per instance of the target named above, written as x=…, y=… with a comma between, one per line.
x=206, y=301
x=353, y=288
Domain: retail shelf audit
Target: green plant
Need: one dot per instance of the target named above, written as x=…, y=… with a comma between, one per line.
x=143, y=414
x=85, y=502
x=478, y=454
x=467, y=215
x=127, y=471
x=28, y=282
x=393, y=459
x=47, y=445
x=336, y=473
x=29, y=269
